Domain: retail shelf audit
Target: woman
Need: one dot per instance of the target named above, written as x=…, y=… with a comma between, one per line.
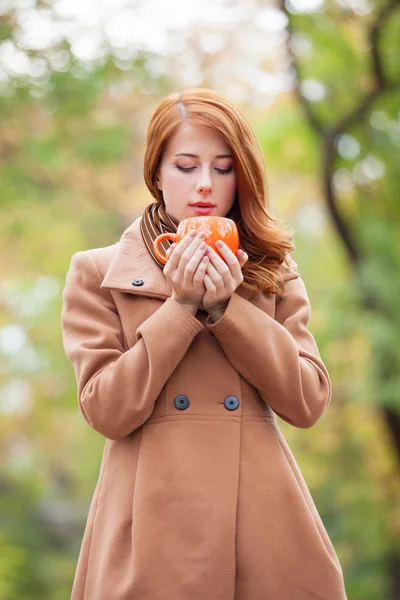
x=183, y=368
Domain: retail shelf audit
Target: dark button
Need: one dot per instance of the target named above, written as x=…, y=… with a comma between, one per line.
x=137, y=282
x=231, y=403
x=181, y=402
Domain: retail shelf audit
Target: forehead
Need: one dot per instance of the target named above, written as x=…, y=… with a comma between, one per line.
x=196, y=139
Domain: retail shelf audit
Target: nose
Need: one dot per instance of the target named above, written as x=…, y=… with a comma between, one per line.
x=204, y=184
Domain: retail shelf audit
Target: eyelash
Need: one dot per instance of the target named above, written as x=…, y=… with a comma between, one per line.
x=189, y=169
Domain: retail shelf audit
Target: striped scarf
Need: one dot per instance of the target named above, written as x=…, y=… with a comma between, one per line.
x=155, y=221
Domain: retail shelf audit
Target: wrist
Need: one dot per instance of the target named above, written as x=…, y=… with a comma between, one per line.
x=189, y=306
x=217, y=313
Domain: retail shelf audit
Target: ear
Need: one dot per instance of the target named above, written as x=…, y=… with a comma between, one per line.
x=158, y=182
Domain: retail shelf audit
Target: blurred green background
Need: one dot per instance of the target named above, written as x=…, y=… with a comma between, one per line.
x=319, y=82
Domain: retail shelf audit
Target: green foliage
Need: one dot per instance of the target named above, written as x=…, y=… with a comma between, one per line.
x=102, y=146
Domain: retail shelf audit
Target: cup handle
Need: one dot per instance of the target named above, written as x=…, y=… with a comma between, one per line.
x=158, y=240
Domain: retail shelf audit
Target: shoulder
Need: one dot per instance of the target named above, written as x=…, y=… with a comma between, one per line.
x=97, y=259
x=293, y=287
x=289, y=269
x=86, y=272
x=293, y=297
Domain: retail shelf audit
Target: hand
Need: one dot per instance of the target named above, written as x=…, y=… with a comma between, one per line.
x=222, y=278
x=185, y=269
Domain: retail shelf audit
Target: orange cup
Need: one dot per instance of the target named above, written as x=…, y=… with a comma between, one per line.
x=215, y=228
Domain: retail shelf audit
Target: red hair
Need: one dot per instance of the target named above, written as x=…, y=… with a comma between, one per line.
x=265, y=238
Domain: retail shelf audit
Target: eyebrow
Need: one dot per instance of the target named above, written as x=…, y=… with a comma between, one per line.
x=195, y=155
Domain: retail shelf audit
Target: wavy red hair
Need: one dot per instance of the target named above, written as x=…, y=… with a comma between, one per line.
x=266, y=239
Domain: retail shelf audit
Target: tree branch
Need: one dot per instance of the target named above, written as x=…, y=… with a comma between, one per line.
x=328, y=135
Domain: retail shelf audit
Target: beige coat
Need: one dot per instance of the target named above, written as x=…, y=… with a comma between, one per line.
x=199, y=496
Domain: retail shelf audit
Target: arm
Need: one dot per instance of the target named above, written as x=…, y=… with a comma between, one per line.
x=277, y=356
x=117, y=389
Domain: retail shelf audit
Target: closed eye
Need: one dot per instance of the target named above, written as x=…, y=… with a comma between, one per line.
x=189, y=169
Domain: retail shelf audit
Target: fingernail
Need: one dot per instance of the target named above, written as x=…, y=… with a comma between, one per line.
x=220, y=244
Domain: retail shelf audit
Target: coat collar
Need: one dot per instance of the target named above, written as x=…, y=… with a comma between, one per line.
x=132, y=261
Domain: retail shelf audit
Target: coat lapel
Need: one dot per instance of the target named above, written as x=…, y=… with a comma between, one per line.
x=132, y=261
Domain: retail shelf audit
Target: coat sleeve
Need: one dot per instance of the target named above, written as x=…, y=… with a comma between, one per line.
x=277, y=356
x=117, y=389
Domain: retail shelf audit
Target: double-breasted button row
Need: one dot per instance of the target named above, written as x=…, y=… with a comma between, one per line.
x=182, y=402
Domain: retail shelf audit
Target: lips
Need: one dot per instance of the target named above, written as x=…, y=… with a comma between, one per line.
x=203, y=204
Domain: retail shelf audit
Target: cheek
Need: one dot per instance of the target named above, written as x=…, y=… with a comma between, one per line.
x=174, y=183
x=229, y=186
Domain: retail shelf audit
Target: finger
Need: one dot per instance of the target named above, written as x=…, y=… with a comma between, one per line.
x=208, y=282
x=230, y=259
x=200, y=272
x=214, y=275
x=193, y=264
x=201, y=269
x=197, y=243
x=222, y=267
x=196, y=251
x=180, y=248
x=242, y=257
x=224, y=249
x=226, y=253
x=168, y=252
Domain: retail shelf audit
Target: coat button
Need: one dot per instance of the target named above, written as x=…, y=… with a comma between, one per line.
x=231, y=403
x=137, y=282
x=181, y=402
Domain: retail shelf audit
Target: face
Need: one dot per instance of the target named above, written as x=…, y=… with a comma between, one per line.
x=197, y=166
